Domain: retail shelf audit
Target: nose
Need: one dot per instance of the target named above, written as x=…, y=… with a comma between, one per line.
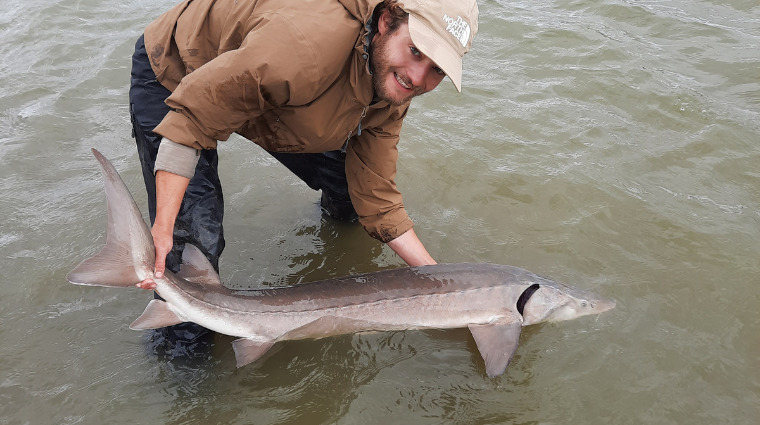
x=420, y=72
x=424, y=74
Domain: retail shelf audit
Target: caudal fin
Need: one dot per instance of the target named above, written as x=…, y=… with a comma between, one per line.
x=128, y=255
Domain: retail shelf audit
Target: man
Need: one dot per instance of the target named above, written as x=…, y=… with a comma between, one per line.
x=323, y=85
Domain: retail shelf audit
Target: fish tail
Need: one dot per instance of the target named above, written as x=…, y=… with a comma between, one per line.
x=128, y=255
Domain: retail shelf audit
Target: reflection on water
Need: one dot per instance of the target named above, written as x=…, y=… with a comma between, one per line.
x=607, y=144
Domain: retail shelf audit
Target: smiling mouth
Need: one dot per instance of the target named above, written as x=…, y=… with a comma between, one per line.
x=401, y=82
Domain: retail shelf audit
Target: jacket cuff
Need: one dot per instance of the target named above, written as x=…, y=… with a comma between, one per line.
x=176, y=158
x=387, y=227
x=181, y=129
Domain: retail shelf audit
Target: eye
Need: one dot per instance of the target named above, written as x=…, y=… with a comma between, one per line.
x=416, y=52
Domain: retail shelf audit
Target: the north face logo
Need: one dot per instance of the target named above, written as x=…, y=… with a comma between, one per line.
x=458, y=28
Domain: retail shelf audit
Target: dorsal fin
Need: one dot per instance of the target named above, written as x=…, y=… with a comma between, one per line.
x=196, y=267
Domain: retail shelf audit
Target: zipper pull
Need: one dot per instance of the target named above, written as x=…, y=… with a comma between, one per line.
x=359, y=128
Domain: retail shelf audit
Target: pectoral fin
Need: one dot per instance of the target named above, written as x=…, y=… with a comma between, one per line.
x=156, y=315
x=497, y=343
x=248, y=350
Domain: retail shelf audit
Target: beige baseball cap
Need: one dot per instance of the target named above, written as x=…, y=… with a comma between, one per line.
x=443, y=31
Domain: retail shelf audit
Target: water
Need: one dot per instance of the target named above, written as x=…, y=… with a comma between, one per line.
x=607, y=144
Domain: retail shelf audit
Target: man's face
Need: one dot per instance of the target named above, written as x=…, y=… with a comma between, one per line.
x=400, y=71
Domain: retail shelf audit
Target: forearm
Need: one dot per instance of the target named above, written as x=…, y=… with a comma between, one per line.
x=175, y=165
x=409, y=247
x=170, y=189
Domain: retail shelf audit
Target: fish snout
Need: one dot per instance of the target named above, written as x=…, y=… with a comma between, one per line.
x=602, y=305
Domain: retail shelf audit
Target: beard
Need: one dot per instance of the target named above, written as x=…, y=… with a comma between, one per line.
x=383, y=74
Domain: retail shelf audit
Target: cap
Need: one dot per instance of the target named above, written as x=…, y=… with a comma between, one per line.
x=443, y=31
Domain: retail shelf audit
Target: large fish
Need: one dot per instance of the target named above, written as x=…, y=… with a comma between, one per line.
x=493, y=301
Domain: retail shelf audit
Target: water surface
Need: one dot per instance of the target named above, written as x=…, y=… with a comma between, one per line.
x=611, y=145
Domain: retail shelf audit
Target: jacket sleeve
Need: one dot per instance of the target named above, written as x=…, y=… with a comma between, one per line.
x=371, y=172
x=274, y=66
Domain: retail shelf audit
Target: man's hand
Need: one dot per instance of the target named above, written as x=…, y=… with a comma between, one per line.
x=163, y=240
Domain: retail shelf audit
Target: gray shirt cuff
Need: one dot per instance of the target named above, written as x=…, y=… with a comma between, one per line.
x=176, y=158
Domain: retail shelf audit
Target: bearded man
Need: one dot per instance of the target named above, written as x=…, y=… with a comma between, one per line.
x=322, y=85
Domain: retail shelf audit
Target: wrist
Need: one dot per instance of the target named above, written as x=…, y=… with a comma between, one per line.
x=411, y=250
x=163, y=227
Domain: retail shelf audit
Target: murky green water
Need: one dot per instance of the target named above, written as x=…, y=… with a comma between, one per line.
x=611, y=145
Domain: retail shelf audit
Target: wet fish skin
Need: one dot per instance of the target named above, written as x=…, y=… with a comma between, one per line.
x=493, y=301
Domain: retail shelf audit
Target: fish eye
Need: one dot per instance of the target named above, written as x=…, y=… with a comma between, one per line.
x=584, y=304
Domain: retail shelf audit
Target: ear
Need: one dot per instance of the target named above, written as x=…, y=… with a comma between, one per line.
x=383, y=23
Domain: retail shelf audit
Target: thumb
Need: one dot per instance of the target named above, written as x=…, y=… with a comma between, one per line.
x=163, y=244
x=160, y=265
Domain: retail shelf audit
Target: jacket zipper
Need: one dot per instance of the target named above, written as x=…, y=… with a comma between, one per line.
x=358, y=130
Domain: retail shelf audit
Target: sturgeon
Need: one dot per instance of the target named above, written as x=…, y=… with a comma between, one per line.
x=493, y=301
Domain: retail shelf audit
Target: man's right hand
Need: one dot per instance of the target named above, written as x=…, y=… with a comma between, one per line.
x=163, y=240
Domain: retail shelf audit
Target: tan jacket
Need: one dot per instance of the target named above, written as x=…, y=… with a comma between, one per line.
x=290, y=75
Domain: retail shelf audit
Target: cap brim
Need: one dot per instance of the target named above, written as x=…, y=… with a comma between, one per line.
x=437, y=49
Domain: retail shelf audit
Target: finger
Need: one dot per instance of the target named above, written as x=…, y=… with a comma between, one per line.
x=146, y=284
x=160, y=265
